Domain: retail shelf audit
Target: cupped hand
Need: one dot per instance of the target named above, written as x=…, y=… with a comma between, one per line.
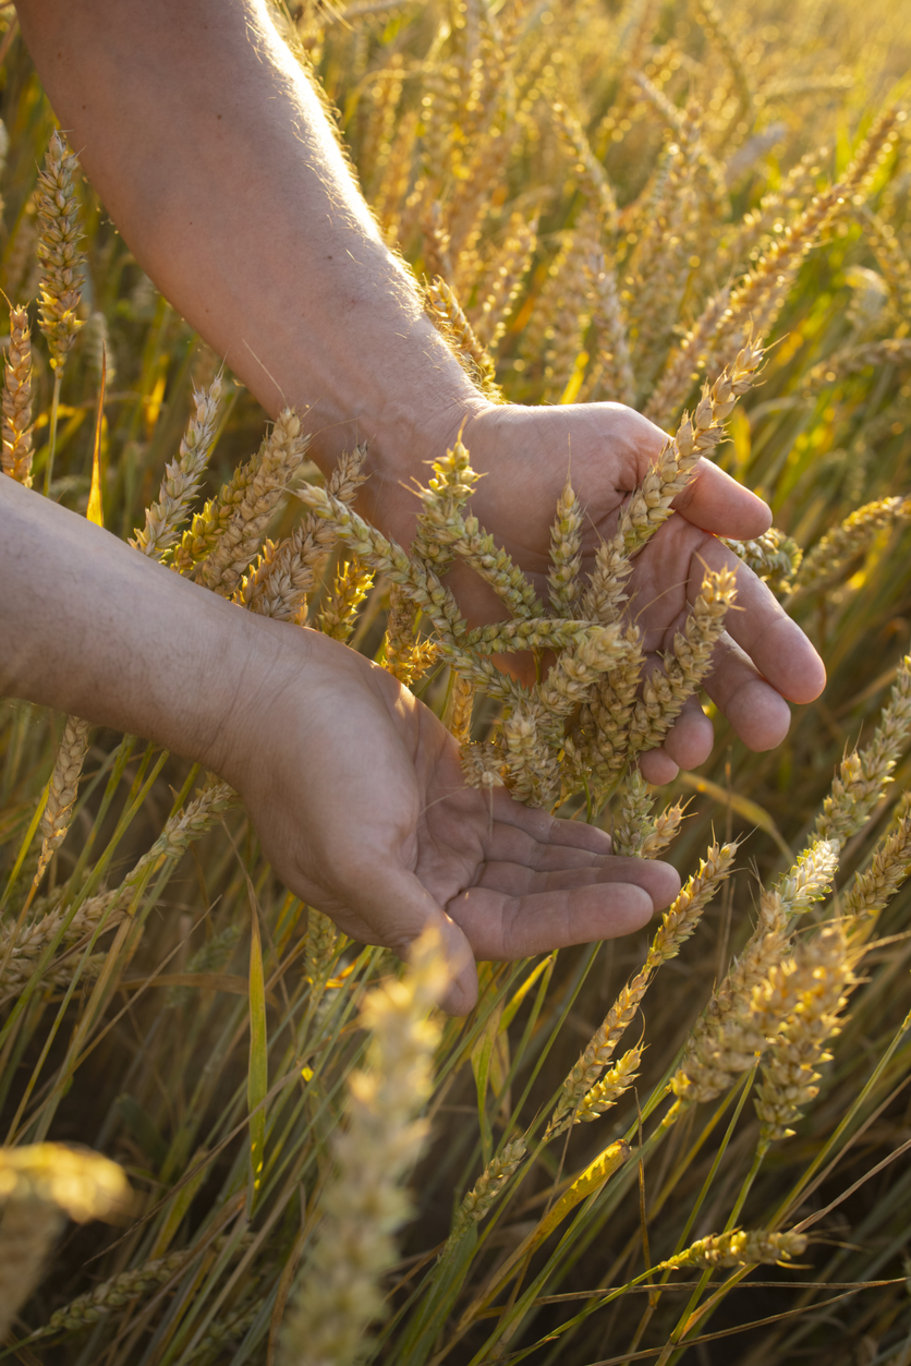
x=358, y=798
x=763, y=662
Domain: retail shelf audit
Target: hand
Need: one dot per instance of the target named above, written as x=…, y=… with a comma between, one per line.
x=357, y=795
x=526, y=453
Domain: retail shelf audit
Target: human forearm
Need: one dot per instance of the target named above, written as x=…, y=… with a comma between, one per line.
x=208, y=145
x=92, y=627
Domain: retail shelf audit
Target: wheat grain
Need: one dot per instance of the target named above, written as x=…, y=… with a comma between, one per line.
x=596, y=747
x=852, y=360
x=481, y=765
x=283, y=575
x=453, y=323
x=28, y=1230
x=552, y=338
x=666, y=689
x=610, y=375
x=338, y=616
x=588, y=171
x=490, y=150
x=116, y=1293
x=799, y=185
x=664, y=830
x=871, y=889
x=681, y=918
x=41, y=1185
x=734, y=1031
x=632, y=815
x=503, y=274
x=753, y=303
x=773, y=557
x=569, y=683
x=65, y=927
x=21, y=267
x=612, y=1087
x=667, y=251
x=396, y=171
x=890, y=257
x=528, y=742
x=383, y=96
x=563, y=586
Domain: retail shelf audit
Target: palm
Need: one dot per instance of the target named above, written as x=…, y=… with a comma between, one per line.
x=392, y=839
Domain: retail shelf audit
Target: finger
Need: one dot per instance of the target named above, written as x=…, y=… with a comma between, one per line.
x=515, y=879
x=687, y=745
x=508, y=843
x=396, y=909
x=715, y=502
x=689, y=741
x=548, y=829
x=755, y=709
x=503, y=927
x=657, y=767
x=765, y=633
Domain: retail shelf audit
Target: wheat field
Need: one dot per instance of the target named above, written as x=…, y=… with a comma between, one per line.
x=231, y=1135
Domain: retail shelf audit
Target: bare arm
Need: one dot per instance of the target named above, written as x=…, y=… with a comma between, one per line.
x=211, y=151
x=93, y=628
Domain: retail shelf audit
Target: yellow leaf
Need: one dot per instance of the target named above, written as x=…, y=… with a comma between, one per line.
x=258, y=1069
x=95, y=510
x=571, y=392
x=595, y=1175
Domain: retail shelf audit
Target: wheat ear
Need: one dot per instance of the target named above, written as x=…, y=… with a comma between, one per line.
x=739, y=1247
x=677, y=925
x=182, y=476
x=62, y=789
x=339, y=1293
x=16, y=451
x=59, y=253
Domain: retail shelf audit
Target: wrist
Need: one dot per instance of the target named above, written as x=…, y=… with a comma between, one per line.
x=278, y=680
x=408, y=437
